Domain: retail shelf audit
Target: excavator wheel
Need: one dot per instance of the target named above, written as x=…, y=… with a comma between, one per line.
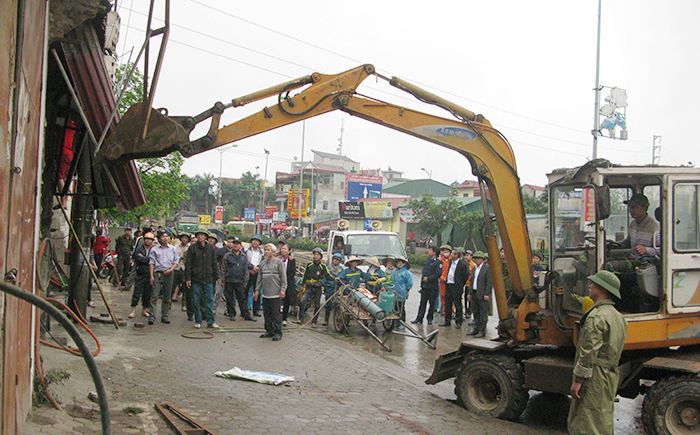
x=672, y=407
x=491, y=384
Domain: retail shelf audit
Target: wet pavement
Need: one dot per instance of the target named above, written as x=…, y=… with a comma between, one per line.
x=343, y=383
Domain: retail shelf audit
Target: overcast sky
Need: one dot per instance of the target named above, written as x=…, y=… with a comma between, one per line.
x=528, y=67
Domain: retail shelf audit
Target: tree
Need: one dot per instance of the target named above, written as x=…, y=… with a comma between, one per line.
x=535, y=205
x=162, y=179
x=472, y=222
x=432, y=218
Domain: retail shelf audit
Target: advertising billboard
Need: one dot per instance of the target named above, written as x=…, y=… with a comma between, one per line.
x=362, y=186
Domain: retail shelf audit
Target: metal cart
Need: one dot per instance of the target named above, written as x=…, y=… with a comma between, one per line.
x=347, y=308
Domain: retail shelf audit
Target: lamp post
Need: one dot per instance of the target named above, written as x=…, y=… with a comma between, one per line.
x=262, y=192
x=430, y=176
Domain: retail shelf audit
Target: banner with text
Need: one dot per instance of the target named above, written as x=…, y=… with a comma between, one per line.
x=293, y=203
x=378, y=210
x=351, y=210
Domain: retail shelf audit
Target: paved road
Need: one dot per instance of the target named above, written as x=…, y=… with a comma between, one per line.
x=342, y=385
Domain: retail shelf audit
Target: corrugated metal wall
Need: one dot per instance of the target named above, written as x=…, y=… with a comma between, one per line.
x=20, y=133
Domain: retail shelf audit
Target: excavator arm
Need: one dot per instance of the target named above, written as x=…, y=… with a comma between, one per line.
x=471, y=135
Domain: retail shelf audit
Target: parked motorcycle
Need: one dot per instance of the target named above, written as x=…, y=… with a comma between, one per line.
x=109, y=268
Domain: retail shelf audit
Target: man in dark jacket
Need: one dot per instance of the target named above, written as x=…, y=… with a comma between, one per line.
x=124, y=248
x=429, y=286
x=234, y=276
x=480, y=293
x=201, y=272
x=142, y=283
x=457, y=276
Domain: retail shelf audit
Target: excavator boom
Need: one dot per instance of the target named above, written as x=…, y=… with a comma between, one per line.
x=489, y=153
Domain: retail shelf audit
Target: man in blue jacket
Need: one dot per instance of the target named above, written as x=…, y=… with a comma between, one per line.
x=429, y=286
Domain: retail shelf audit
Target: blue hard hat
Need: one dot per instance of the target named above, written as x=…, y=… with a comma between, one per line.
x=338, y=256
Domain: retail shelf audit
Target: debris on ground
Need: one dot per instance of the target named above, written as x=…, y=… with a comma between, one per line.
x=260, y=377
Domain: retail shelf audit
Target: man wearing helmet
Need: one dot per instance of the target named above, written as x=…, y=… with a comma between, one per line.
x=142, y=283
x=313, y=278
x=601, y=339
x=330, y=285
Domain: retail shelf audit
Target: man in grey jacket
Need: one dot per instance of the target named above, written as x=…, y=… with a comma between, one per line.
x=271, y=285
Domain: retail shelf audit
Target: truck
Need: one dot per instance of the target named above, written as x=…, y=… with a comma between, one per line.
x=187, y=222
x=365, y=244
x=538, y=323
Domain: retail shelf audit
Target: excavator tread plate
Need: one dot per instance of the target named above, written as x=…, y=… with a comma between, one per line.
x=679, y=364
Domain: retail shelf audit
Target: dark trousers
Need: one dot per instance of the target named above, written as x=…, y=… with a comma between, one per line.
x=467, y=304
x=123, y=268
x=162, y=283
x=235, y=291
x=453, y=297
x=290, y=299
x=427, y=296
x=142, y=291
x=310, y=293
x=481, y=313
x=187, y=298
x=250, y=289
x=272, y=315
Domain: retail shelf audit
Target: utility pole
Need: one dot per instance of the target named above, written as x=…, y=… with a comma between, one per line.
x=340, y=140
x=656, y=150
x=262, y=193
x=596, y=113
x=301, y=170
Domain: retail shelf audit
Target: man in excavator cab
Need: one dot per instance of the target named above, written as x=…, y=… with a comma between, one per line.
x=644, y=241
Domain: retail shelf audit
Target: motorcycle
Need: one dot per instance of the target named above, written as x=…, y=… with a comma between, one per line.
x=109, y=268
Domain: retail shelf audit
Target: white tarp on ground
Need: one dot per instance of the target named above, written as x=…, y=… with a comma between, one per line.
x=261, y=377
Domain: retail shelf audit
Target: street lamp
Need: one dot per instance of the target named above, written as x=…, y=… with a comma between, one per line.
x=430, y=176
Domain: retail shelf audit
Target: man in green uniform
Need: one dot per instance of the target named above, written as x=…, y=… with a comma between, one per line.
x=600, y=343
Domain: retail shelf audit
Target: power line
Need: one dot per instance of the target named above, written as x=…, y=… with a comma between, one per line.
x=403, y=97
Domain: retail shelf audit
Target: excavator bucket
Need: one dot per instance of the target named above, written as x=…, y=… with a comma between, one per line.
x=163, y=136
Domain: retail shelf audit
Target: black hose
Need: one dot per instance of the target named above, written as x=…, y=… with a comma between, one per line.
x=75, y=335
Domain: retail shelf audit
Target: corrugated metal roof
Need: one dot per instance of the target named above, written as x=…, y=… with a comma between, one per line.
x=333, y=156
x=118, y=182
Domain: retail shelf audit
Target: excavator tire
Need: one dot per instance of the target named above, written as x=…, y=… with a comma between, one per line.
x=672, y=407
x=491, y=384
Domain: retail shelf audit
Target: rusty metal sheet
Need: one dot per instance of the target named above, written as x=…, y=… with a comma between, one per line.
x=678, y=364
x=85, y=62
x=20, y=160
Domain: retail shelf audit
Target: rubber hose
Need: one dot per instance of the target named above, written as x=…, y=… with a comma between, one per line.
x=75, y=335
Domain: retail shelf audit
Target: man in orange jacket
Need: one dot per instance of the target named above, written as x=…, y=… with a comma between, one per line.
x=445, y=252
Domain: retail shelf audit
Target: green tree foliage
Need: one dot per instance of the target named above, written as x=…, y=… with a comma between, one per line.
x=162, y=178
x=236, y=195
x=535, y=205
x=432, y=217
x=473, y=223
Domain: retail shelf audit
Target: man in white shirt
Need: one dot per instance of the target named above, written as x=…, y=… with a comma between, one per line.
x=255, y=255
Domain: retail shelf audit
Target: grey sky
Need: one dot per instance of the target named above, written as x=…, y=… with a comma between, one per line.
x=528, y=67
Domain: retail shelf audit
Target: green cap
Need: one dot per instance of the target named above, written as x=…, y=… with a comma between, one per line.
x=481, y=254
x=448, y=247
x=607, y=280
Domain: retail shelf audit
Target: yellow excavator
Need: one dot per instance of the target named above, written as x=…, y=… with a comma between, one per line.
x=587, y=220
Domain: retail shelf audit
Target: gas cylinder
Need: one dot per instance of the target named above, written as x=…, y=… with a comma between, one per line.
x=386, y=300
